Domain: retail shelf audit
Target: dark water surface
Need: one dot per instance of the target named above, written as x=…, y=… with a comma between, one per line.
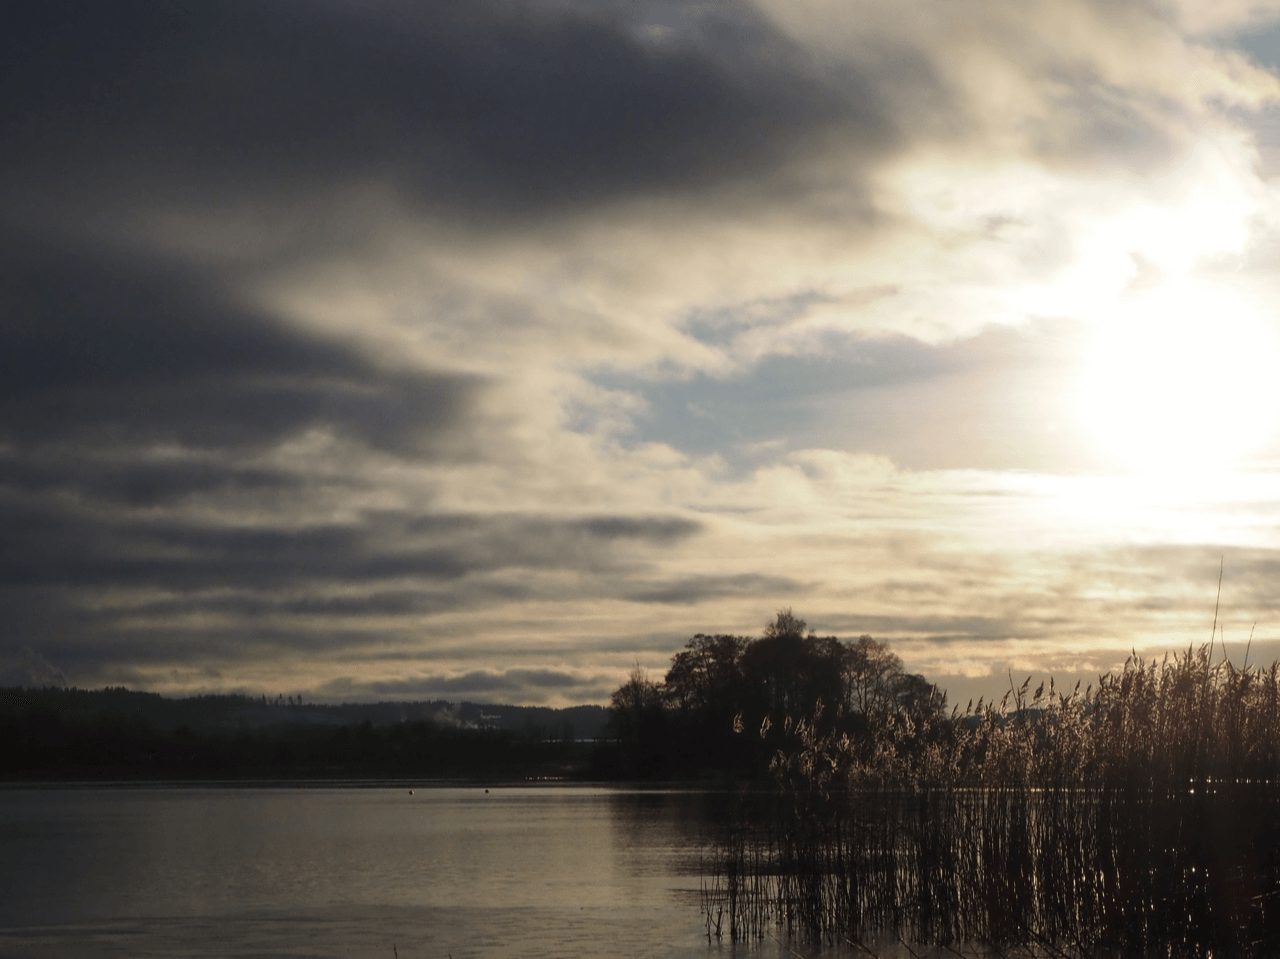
x=354, y=872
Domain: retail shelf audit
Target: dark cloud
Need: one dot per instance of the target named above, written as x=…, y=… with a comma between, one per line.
x=242, y=585
x=114, y=351
x=103, y=646
x=464, y=104
x=131, y=390
x=138, y=406
x=485, y=685
x=655, y=529
x=49, y=545
x=135, y=483
x=26, y=667
x=688, y=590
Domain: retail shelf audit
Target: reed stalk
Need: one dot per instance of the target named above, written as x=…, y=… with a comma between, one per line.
x=1138, y=818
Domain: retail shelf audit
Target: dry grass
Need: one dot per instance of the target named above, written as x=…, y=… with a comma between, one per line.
x=1138, y=818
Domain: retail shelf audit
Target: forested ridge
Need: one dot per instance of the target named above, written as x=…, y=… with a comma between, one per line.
x=116, y=733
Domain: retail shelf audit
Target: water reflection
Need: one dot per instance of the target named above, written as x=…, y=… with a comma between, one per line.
x=349, y=872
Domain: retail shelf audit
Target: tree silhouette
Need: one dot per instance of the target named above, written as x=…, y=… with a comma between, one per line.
x=726, y=700
x=638, y=717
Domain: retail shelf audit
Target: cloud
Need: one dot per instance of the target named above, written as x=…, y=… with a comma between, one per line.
x=102, y=350
x=47, y=546
x=28, y=668
x=489, y=348
x=488, y=686
x=135, y=483
x=694, y=589
x=473, y=110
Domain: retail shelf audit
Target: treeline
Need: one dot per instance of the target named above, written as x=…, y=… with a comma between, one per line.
x=726, y=704
x=221, y=712
x=115, y=733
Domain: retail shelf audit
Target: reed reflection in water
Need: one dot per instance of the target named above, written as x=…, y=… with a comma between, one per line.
x=1192, y=872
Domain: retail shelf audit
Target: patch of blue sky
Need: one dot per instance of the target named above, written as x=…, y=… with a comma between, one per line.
x=1000, y=399
x=782, y=402
x=721, y=327
x=1262, y=45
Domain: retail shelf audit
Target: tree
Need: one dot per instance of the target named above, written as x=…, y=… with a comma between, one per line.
x=916, y=697
x=719, y=684
x=870, y=675
x=790, y=668
x=637, y=714
x=706, y=677
x=704, y=690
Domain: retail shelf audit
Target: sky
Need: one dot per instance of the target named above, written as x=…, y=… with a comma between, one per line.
x=485, y=350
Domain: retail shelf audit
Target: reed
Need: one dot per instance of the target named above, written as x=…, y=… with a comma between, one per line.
x=1138, y=818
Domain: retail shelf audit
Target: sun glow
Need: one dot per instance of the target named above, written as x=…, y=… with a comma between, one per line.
x=1179, y=378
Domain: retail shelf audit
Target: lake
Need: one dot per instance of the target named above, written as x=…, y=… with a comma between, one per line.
x=355, y=872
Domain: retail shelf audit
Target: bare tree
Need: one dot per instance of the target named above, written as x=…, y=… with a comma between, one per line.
x=870, y=675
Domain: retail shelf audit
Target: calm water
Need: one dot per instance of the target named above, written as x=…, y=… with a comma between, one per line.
x=353, y=872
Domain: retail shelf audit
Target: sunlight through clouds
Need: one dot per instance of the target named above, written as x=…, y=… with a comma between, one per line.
x=1179, y=380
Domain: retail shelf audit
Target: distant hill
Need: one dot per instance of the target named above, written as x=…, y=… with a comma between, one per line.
x=115, y=733
x=225, y=713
